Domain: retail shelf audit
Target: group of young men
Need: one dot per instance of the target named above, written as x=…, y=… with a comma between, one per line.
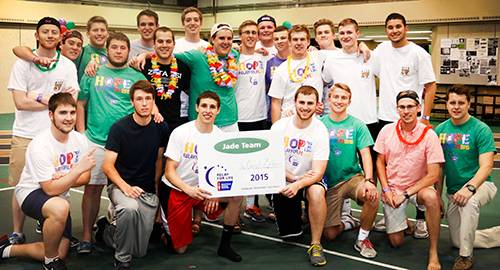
x=134, y=99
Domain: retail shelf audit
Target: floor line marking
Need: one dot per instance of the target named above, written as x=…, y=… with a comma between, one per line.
x=411, y=219
x=307, y=247
x=7, y=188
x=81, y=192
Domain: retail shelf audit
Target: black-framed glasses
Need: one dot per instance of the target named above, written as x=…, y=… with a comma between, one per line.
x=409, y=107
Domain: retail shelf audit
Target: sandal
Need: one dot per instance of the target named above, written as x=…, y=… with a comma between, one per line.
x=239, y=226
x=196, y=227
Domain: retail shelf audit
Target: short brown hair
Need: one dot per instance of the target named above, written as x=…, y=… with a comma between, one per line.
x=299, y=28
x=307, y=90
x=348, y=21
x=280, y=28
x=149, y=13
x=208, y=94
x=142, y=85
x=247, y=23
x=189, y=10
x=61, y=99
x=459, y=89
x=96, y=19
x=163, y=29
x=342, y=86
x=324, y=22
x=118, y=36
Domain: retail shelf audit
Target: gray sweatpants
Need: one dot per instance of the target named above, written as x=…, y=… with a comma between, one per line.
x=134, y=224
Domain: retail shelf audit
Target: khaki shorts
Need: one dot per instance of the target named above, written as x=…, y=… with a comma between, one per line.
x=97, y=176
x=335, y=198
x=395, y=219
x=17, y=158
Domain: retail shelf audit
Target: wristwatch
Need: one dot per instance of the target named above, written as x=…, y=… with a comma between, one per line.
x=471, y=188
x=371, y=181
x=406, y=194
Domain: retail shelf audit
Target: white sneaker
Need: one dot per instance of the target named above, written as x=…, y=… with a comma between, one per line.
x=421, y=231
x=353, y=222
x=380, y=226
x=365, y=248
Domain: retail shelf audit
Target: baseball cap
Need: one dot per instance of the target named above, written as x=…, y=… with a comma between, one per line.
x=220, y=26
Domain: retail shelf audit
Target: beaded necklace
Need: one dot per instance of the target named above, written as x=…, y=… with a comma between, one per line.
x=219, y=74
x=174, y=79
x=292, y=77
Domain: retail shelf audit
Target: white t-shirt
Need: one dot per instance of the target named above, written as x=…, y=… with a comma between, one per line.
x=182, y=45
x=406, y=68
x=302, y=146
x=137, y=47
x=45, y=156
x=182, y=147
x=272, y=50
x=349, y=69
x=26, y=77
x=282, y=87
x=250, y=90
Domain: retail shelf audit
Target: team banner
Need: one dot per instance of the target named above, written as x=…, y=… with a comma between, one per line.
x=243, y=163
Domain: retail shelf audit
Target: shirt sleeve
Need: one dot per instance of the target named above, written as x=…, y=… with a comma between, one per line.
x=485, y=141
x=164, y=133
x=327, y=77
x=425, y=70
x=113, y=143
x=18, y=80
x=380, y=142
x=41, y=165
x=72, y=78
x=174, y=147
x=365, y=138
x=85, y=85
x=278, y=85
x=322, y=148
x=433, y=151
x=186, y=57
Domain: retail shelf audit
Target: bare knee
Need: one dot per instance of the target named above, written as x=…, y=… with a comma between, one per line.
x=396, y=240
x=181, y=250
x=56, y=208
x=315, y=193
x=331, y=233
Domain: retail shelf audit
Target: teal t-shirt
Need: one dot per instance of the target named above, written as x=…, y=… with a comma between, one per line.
x=108, y=100
x=346, y=137
x=89, y=53
x=462, y=146
x=201, y=81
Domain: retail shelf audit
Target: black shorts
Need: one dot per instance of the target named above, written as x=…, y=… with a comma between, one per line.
x=32, y=207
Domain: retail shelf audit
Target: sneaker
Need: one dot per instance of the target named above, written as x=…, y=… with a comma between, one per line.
x=421, y=229
x=102, y=223
x=4, y=242
x=211, y=217
x=239, y=225
x=122, y=265
x=17, y=239
x=380, y=226
x=365, y=248
x=316, y=255
x=38, y=227
x=84, y=247
x=57, y=264
x=74, y=242
x=350, y=222
x=463, y=263
x=254, y=214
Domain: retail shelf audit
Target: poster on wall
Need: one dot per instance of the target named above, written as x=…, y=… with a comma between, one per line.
x=473, y=59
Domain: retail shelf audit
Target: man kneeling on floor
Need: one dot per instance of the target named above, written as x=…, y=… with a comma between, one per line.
x=56, y=160
x=133, y=163
x=343, y=173
x=179, y=190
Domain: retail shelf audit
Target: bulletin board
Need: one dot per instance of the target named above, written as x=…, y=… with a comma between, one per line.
x=469, y=61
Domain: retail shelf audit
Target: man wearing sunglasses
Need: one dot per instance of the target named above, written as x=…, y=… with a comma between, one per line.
x=408, y=161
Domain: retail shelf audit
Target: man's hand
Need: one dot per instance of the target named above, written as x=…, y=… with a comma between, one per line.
x=158, y=118
x=133, y=192
x=290, y=190
x=87, y=162
x=44, y=61
x=389, y=198
x=424, y=121
x=211, y=205
x=70, y=90
x=289, y=112
x=320, y=107
x=138, y=62
x=91, y=69
x=312, y=48
x=202, y=49
x=370, y=191
x=397, y=200
x=362, y=48
x=235, y=46
x=462, y=196
x=262, y=51
x=197, y=193
x=58, y=175
x=441, y=206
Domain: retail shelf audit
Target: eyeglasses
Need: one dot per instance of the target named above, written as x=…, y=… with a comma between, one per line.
x=147, y=24
x=248, y=32
x=409, y=107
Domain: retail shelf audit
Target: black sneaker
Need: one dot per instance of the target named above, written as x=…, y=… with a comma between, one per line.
x=4, y=242
x=122, y=265
x=102, y=223
x=38, y=227
x=57, y=264
x=73, y=242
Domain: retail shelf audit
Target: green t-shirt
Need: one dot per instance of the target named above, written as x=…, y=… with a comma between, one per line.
x=89, y=53
x=108, y=100
x=462, y=146
x=346, y=137
x=201, y=81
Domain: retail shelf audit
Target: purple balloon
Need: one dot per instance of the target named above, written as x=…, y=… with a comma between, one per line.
x=62, y=21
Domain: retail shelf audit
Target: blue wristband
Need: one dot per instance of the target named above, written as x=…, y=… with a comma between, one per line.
x=39, y=98
x=385, y=189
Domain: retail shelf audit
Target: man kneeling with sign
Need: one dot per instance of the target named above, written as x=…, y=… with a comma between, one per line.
x=179, y=190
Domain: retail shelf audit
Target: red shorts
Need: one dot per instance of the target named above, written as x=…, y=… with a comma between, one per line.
x=178, y=212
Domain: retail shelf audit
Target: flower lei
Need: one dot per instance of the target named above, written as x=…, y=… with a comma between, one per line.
x=292, y=77
x=174, y=79
x=219, y=74
x=415, y=142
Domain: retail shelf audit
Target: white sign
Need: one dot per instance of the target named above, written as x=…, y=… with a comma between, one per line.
x=243, y=163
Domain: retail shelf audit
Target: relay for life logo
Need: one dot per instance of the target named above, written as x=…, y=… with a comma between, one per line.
x=224, y=179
